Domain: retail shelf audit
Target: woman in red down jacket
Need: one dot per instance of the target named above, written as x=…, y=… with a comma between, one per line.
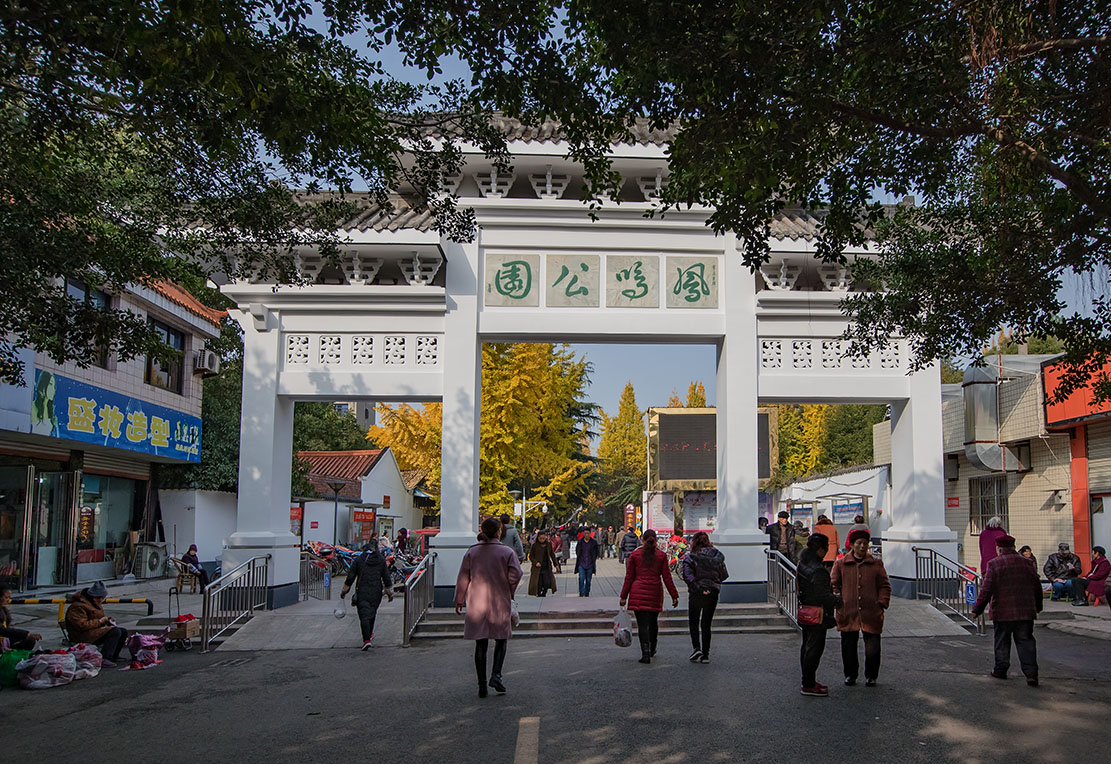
x=643, y=590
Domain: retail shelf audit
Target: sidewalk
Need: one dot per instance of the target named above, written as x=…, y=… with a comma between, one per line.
x=1094, y=622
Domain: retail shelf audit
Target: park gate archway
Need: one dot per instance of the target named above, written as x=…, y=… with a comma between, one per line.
x=405, y=317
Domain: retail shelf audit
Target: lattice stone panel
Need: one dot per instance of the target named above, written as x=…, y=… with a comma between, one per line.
x=890, y=357
x=297, y=349
x=362, y=350
x=771, y=354
x=331, y=349
x=428, y=351
x=393, y=351
x=831, y=354
x=802, y=354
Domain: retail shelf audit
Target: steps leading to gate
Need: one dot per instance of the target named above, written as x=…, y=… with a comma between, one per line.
x=729, y=619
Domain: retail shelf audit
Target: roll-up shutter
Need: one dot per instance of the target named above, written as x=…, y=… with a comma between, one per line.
x=1099, y=457
x=114, y=464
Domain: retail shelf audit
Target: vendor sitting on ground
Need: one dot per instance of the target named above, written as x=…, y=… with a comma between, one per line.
x=86, y=622
x=18, y=639
x=193, y=565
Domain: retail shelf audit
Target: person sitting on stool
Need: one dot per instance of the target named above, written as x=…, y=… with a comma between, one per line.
x=193, y=565
x=86, y=622
x=1095, y=582
x=1060, y=568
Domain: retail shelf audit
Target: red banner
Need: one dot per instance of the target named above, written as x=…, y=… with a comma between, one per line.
x=296, y=513
x=361, y=516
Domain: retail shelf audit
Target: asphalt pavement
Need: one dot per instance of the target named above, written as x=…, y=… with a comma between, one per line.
x=576, y=701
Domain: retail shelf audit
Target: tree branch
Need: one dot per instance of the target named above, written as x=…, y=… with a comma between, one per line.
x=927, y=131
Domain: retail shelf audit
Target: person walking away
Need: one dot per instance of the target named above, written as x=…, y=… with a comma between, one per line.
x=861, y=582
x=370, y=573
x=646, y=575
x=18, y=639
x=1012, y=588
x=564, y=545
x=541, y=578
x=557, y=546
x=193, y=565
x=704, y=570
x=629, y=544
x=826, y=527
x=781, y=536
x=1095, y=582
x=1060, y=568
x=512, y=538
x=488, y=577
x=992, y=531
x=586, y=561
x=86, y=622
x=815, y=591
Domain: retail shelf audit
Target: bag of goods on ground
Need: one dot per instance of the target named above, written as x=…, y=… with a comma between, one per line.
x=89, y=660
x=8, y=661
x=46, y=670
x=622, y=629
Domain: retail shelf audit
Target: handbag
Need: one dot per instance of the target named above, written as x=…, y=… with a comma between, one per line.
x=809, y=615
x=622, y=629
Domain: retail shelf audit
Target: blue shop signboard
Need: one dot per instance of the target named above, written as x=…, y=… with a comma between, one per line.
x=65, y=408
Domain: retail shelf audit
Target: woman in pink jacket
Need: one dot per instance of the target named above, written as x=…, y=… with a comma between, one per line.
x=646, y=575
x=487, y=579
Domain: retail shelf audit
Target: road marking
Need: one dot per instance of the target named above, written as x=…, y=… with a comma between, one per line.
x=528, y=741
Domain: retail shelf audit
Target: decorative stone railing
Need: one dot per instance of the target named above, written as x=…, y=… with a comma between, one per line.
x=388, y=351
x=796, y=355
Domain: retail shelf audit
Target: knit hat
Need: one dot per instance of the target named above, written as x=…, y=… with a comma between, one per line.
x=859, y=533
x=98, y=590
x=1062, y=547
x=1007, y=542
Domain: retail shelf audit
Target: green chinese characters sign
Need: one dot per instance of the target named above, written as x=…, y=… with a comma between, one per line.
x=692, y=282
x=632, y=281
x=573, y=281
x=513, y=280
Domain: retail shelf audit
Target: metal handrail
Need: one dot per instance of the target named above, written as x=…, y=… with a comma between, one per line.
x=234, y=597
x=943, y=581
x=419, y=590
x=311, y=580
x=783, y=587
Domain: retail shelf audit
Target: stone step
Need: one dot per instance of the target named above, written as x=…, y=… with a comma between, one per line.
x=445, y=614
x=606, y=623
x=457, y=633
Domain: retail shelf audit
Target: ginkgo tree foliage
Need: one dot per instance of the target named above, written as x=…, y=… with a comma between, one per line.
x=534, y=424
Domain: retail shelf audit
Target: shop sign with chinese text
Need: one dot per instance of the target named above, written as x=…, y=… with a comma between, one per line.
x=66, y=408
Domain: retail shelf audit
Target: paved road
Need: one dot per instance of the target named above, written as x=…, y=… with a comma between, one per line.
x=584, y=701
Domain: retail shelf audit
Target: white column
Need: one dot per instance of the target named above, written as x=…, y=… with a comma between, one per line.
x=265, y=446
x=462, y=359
x=917, y=481
x=738, y=457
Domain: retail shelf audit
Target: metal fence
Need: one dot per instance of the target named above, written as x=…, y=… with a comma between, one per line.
x=783, y=587
x=950, y=586
x=419, y=589
x=233, y=598
x=312, y=579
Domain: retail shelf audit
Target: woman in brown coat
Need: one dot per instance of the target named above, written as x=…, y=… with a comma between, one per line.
x=861, y=582
x=86, y=622
x=541, y=577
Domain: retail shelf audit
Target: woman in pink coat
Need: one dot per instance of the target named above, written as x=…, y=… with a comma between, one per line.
x=487, y=579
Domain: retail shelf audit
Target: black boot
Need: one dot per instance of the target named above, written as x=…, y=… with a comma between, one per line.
x=482, y=693
x=652, y=651
x=500, y=647
x=645, y=654
x=480, y=665
x=496, y=683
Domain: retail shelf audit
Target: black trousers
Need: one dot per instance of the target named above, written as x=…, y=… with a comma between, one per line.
x=480, y=648
x=112, y=643
x=20, y=639
x=810, y=654
x=368, y=611
x=648, y=628
x=1079, y=589
x=700, y=612
x=1022, y=633
x=849, y=642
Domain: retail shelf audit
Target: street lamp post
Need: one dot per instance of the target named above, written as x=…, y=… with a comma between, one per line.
x=336, y=486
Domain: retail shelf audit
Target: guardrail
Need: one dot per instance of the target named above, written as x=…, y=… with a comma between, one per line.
x=61, y=602
x=419, y=589
x=311, y=581
x=783, y=587
x=233, y=598
x=950, y=586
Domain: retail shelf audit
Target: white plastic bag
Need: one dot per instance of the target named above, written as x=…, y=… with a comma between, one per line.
x=46, y=670
x=514, y=614
x=88, y=659
x=622, y=629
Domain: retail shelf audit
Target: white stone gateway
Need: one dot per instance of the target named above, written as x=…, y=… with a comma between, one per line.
x=406, y=315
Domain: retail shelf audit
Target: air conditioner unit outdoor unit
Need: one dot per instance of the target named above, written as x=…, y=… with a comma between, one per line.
x=150, y=559
x=206, y=363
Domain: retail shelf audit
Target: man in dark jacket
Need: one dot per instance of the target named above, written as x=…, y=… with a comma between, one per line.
x=781, y=537
x=1012, y=587
x=629, y=544
x=373, y=576
x=1060, y=569
x=586, y=558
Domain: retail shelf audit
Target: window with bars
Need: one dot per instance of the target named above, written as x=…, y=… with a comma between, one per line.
x=987, y=498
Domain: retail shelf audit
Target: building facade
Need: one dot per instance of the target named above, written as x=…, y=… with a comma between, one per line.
x=79, y=447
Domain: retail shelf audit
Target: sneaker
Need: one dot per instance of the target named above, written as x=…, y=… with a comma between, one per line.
x=695, y=656
x=850, y=681
x=367, y=645
x=1080, y=603
x=704, y=659
x=822, y=686
x=105, y=663
x=869, y=682
x=816, y=691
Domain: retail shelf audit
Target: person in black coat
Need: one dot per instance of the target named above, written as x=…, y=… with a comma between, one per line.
x=781, y=537
x=815, y=590
x=373, y=575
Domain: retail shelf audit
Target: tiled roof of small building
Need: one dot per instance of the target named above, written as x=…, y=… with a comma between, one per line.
x=349, y=466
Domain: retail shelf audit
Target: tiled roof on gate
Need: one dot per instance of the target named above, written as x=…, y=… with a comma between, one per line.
x=795, y=224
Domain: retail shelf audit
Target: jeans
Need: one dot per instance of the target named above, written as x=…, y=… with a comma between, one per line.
x=1061, y=589
x=700, y=612
x=849, y=642
x=810, y=655
x=111, y=644
x=480, y=648
x=1022, y=632
x=648, y=629
x=368, y=611
x=584, y=581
